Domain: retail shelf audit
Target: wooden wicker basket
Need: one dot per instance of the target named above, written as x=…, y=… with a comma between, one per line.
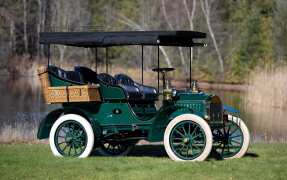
x=61, y=94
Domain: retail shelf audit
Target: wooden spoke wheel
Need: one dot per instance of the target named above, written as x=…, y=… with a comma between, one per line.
x=115, y=148
x=232, y=140
x=71, y=135
x=188, y=138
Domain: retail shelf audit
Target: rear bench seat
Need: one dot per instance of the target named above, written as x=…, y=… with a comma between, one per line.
x=71, y=77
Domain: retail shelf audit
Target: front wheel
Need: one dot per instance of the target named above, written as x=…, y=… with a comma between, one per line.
x=232, y=140
x=71, y=135
x=188, y=138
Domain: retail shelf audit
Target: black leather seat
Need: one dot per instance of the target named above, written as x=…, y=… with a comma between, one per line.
x=134, y=91
x=88, y=75
x=71, y=76
x=107, y=79
x=127, y=84
x=147, y=93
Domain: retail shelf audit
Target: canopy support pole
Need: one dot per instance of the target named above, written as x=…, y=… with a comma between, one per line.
x=190, y=67
x=96, y=59
x=158, y=68
x=107, y=58
x=142, y=64
x=48, y=54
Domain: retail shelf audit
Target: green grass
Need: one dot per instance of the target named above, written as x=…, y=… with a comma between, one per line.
x=26, y=161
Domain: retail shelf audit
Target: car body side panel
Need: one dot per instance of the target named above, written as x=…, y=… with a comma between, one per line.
x=111, y=117
x=112, y=92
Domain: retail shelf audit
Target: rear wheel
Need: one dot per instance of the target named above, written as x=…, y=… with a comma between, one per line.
x=232, y=140
x=115, y=148
x=71, y=135
x=188, y=138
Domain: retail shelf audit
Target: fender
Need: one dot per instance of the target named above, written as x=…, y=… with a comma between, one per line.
x=87, y=115
x=46, y=124
x=162, y=120
x=230, y=109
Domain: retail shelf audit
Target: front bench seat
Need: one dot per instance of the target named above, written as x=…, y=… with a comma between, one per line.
x=147, y=92
x=133, y=92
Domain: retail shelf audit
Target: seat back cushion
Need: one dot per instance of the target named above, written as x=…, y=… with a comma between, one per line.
x=74, y=76
x=124, y=79
x=67, y=75
x=57, y=71
x=89, y=76
x=149, y=93
x=106, y=78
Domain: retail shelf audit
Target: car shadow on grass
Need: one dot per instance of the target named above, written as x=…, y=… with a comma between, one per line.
x=159, y=151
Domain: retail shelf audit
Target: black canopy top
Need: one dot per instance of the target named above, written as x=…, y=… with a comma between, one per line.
x=105, y=39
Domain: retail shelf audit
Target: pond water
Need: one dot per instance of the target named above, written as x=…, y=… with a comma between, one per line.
x=22, y=108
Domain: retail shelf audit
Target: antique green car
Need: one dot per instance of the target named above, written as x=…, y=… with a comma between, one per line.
x=111, y=114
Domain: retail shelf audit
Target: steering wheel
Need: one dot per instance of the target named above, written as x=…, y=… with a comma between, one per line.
x=162, y=70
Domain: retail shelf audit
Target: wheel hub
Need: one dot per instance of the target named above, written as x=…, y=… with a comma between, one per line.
x=186, y=140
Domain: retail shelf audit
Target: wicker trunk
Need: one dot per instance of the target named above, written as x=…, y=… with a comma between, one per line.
x=62, y=94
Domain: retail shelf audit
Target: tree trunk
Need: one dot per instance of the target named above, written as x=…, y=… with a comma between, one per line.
x=25, y=26
x=12, y=37
x=190, y=17
x=182, y=60
x=47, y=17
x=206, y=11
x=165, y=56
x=39, y=25
x=62, y=50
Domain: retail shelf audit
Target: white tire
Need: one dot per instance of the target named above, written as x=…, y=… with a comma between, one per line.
x=197, y=120
x=86, y=126
x=246, y=137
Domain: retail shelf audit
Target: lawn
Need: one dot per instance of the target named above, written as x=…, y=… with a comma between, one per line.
x=35, y=161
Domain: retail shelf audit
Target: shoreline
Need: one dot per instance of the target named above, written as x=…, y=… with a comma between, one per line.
x=204, y=85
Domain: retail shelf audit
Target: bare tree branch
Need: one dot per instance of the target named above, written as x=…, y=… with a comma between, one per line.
x=190, y=17
x=165, y=15
x=172, y=28
x=125, y=20
x=130, y=23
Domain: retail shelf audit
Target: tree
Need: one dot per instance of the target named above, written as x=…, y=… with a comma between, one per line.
x=68, y=15
x=280, y=30
x=254, y=24
x=190, y=17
